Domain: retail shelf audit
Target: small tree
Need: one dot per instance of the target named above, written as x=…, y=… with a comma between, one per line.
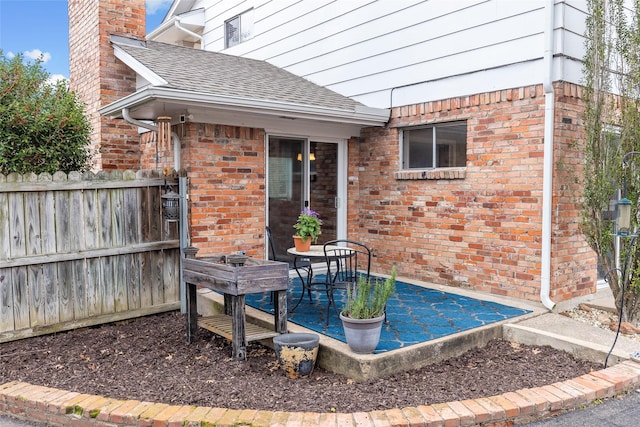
x=612, y=122
x=42, y=125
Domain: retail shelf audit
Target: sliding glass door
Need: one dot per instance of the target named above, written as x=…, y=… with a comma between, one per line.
x=302, y=173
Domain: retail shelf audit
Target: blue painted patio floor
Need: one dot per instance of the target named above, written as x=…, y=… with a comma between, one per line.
x=414, y=314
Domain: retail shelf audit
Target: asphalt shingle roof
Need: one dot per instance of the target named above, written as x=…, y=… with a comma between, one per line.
x=215, y=73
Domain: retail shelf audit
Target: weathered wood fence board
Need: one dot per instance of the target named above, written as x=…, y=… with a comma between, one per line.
x=83, y=249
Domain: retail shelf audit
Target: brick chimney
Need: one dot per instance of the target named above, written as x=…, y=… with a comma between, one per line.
x=99, y=78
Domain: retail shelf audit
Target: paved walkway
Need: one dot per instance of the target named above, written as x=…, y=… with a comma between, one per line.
x=63, y=408
x=620, y=412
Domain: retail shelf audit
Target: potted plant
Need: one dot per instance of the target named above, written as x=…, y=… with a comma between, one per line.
x=364, y=312
x=308, y=228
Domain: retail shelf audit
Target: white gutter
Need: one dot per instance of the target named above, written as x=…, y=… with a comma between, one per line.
x=176, y=140
x=189, y=32
x=547, y=174
x=364, y=116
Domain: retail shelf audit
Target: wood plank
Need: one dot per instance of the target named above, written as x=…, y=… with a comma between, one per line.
x=65, y=269
x=65, y=291
x=12, y=187
x=20, y=297
x=104, y=215
x=94, y=287
x=76, y=226
x=52, y=301
x=48, y=222
x=157, y=277
x=221, y=324
x=32, y=224
x=155, y=214
x=107, y=291
x=131, y=216
x=90, y=212
x=117, y=216
x=146, y=282
x=5, y=237
x=145, y=217
x=6, y=300
x=37, y=300
x=17, y=237
x=79, y=285
x=171, y=275
x=49, y=270
x=119, y=283
x=133, y=280
x=97, y=253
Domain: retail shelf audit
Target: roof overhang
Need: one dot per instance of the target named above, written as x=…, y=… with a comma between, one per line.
x=151, y=102
x=172, y=29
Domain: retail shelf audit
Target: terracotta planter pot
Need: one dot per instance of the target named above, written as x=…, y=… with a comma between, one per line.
x=296, y=353
x=302, y=245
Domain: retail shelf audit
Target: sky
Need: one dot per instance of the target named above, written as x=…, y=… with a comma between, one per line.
x=41, y=27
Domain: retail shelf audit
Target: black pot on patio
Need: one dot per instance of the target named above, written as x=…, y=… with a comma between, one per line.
x=296, y=353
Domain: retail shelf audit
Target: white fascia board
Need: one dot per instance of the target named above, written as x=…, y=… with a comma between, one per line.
x=362, y=116
x=178, y=7
x=137, y=66
x=166, y=25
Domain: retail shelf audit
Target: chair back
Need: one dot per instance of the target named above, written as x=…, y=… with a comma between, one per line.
x=346, y=260
x=271, y=250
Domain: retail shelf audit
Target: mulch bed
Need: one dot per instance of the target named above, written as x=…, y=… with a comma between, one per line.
x=149, y=359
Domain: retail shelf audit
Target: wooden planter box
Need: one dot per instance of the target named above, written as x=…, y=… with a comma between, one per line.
x=255, y=276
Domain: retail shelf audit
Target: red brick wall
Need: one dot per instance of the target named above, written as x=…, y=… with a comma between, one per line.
x=226, y=169
x=483, y=231
x=99, y=78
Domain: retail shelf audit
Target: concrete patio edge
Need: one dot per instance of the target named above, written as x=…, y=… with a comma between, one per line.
x=64, y=408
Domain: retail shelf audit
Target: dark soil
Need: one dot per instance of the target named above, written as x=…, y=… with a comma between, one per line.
x=149, y=359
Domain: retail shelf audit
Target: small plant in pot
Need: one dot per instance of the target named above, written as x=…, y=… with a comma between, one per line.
x=364, y=312
x=308, y=228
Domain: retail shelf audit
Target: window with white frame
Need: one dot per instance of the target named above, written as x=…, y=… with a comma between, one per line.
x=441, y=145
x=238, y=29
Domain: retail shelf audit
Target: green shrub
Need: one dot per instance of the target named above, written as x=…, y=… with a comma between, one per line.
x=42, y=125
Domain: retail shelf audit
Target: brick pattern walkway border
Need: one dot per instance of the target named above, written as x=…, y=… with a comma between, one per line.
x=64, y=408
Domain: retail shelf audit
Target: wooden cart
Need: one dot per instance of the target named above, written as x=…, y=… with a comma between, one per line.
x=255, y=276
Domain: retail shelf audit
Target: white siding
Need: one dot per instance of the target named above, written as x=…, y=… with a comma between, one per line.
x=418, y=49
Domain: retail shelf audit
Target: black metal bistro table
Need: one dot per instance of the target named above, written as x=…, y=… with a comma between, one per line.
x=235, y=281
x=303, y=264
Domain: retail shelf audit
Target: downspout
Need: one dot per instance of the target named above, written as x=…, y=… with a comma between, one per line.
x=174, y=136
x=182, y=184
x=547, y=174
x=189, y=32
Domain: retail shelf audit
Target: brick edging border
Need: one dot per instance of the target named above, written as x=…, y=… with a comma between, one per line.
x=64, y=408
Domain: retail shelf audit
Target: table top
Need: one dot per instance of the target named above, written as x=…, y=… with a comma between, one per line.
x=315, y=251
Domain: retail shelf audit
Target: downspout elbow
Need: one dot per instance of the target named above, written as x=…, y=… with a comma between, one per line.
x=189, y=32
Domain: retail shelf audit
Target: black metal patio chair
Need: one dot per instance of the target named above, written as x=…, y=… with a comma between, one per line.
x=347, y=261
x=301, y=265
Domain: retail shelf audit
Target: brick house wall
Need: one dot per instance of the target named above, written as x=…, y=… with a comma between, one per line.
x=226, y=170
x=477, y=227
x=99, y=78
x=482, y=231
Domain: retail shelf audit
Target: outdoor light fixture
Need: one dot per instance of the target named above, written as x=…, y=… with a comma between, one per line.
x=171, y=206
x=312, y=156
x=624, y=205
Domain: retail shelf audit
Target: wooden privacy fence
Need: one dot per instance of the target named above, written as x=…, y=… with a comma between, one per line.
x=84, y=249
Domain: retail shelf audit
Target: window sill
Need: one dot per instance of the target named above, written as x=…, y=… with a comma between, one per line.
x=443, y=173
